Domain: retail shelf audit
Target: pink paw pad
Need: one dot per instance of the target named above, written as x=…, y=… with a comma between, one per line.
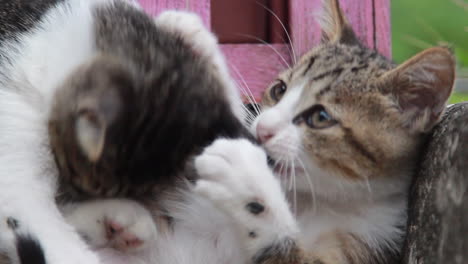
x=120, y=238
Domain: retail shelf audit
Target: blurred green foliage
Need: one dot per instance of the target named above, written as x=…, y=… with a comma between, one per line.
x=419, y=24
x=458, y=97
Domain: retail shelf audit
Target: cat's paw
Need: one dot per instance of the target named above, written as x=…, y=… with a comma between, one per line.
x=191, y=28
x=232, y=172
x=235, y=176
x=125, y=236
x=204, y=43
x=120, y=224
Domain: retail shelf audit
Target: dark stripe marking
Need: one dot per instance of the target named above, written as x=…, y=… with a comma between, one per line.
x=336, y=71
x=325, y=90
x=359, y=67
x=311, y=62
x=349, y=136
x=345, y=169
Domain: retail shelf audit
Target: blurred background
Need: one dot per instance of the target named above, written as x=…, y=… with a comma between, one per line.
x=419, y=24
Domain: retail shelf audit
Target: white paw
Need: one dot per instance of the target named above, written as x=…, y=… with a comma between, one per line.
x=204, y=43
x=120, y=224
x=232, y=173
x=191, y=28
x=235, y=176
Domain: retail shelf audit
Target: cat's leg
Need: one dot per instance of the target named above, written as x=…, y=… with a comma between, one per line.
x=43, y=222
x=113, y=223
x=191, y=28
x=235, y=176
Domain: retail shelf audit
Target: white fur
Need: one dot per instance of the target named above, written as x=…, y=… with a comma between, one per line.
x=234, y=173
x=89, y=219
x=46, y=55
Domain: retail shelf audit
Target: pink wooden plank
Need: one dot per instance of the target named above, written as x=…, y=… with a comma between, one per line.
x=383, y=27
x=305, y=30
x=201, y=7
x=255, y=65
x=361, y=16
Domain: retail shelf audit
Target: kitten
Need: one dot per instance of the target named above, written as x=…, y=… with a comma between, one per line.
x=345, y=127
x=88, y=90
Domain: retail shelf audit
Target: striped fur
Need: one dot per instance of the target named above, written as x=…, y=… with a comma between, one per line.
x=348, y=176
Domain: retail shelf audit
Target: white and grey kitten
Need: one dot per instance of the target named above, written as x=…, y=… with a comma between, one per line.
x=88, y=88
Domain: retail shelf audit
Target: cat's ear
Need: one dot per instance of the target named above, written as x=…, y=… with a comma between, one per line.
x=95, y=115
x=335, y=27
x=421, y=87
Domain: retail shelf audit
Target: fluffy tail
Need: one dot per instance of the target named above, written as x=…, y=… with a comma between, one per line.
x=28, y=249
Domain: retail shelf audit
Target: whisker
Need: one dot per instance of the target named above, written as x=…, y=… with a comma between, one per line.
x=248, y=93
x=284, y=28
x=248, y=114
x=369, y=189
x=245, y=89
x=288, y=168
x=270, y=46
x=311, y=186
x=293, y=176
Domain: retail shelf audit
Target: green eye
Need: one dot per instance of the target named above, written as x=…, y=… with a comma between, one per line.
x=316, y=117
x=278, y=90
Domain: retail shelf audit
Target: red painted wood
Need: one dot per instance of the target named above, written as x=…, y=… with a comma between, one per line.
x=305, y=30
x=255, y=65
x=201, y=7
x=383, y=27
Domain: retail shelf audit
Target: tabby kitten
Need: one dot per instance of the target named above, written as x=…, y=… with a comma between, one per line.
x=345, y=127
x=350, y=126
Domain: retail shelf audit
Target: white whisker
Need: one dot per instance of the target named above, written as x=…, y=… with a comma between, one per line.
x=271, y=47
x=369, y=189
x=288, y=168
x=248, y=114
x=247, y=90
x=284, y=28
x=293, y=176
x=311, y=186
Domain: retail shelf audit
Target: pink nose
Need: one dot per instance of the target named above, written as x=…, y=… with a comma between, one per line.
x=264, y=133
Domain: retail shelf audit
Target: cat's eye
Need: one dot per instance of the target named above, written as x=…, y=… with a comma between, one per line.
x=316, y=117
x=278, y=90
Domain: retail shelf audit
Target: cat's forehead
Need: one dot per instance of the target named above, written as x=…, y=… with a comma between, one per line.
x=338, y=67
